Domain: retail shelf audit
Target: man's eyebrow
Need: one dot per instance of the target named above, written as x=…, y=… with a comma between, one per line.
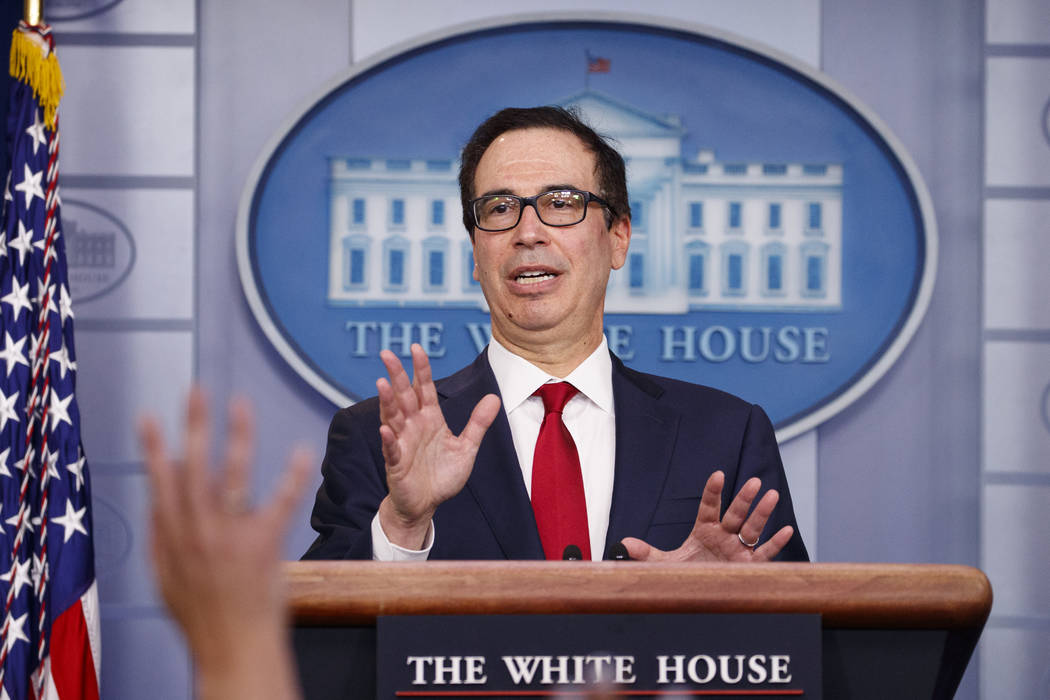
x=492, y=193
x=546, y=188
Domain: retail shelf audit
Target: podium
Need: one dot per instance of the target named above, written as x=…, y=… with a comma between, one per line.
x=888, y=630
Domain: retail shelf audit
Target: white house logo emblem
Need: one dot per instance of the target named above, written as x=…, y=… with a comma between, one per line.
x=99, y=249
x=755, y=235
x=783, y=244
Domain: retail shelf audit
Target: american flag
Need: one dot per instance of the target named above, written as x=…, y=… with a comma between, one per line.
x=50, y=639
x=598, y=64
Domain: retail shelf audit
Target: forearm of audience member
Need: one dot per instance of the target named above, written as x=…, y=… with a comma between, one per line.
x=258, y=664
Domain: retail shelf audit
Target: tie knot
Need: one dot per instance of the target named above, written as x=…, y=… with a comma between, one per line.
x=556, y=395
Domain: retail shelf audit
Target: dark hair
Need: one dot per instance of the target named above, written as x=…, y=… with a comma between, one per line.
x=612, y=177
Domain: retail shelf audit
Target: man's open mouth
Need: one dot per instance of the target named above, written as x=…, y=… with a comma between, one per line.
x=534, y=277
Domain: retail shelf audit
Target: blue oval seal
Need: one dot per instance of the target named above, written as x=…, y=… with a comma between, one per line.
x=783, y=249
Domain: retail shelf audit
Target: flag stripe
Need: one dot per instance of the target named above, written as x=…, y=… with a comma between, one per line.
x=72, y=665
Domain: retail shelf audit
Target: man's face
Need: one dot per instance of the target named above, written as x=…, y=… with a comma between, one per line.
x=544, y=283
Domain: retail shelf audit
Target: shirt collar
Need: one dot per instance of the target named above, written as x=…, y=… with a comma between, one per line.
x=518, y=379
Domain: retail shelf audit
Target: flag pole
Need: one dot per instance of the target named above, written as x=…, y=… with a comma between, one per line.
x=33, y=12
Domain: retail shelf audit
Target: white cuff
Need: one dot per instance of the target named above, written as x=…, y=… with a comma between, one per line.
x=385, y=550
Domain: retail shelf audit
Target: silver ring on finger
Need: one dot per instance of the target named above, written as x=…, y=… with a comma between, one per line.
x=749, y=545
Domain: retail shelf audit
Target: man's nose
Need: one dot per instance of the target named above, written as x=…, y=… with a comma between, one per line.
x=530, y=230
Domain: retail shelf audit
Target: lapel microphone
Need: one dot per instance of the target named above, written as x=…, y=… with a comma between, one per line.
x=572, y=553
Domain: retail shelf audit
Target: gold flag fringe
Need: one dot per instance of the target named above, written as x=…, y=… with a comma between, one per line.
x=40, y=71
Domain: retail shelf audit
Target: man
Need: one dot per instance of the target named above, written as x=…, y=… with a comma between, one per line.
x=448, y=470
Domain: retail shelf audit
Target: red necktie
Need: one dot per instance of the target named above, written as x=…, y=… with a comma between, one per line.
x=557, y=482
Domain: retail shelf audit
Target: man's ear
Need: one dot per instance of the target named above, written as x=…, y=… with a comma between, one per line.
x=620, y=238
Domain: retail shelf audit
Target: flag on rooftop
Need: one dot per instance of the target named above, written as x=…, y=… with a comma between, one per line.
x=597, y=64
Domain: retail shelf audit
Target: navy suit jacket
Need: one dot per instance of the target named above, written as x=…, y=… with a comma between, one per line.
x=670, y=437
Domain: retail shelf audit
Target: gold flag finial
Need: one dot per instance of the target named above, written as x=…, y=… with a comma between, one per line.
x=33, y=12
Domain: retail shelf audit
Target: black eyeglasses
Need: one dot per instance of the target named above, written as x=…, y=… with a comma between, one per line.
x=502, y=212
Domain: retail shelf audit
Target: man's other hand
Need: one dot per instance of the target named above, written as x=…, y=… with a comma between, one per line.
x=726, y=538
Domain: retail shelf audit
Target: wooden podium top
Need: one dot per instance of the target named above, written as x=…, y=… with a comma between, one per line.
x=911, y=596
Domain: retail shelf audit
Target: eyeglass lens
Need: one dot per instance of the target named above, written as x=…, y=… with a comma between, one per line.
x=557, y=208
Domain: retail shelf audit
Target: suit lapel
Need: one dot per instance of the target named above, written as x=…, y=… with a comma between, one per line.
x=645, y=435
x=495, y=483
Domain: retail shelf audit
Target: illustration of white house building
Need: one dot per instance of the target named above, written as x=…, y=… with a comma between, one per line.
x=706, y=234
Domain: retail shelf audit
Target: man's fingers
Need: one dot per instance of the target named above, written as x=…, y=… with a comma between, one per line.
x=238, y=458
x=756, y=522
x=711, y=499
x=390, y=412
x=639, y=550
x=422, y=378
x=737, y=511
x=404, y=394
x=480, y=419
x=776, y=543
x=391, y=448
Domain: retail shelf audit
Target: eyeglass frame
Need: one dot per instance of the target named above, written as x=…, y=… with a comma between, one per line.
x=531, y=202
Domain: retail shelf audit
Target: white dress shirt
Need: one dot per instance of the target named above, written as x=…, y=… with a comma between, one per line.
x=590, y=417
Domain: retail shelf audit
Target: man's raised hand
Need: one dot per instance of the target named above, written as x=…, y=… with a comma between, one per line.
x=425, y=463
